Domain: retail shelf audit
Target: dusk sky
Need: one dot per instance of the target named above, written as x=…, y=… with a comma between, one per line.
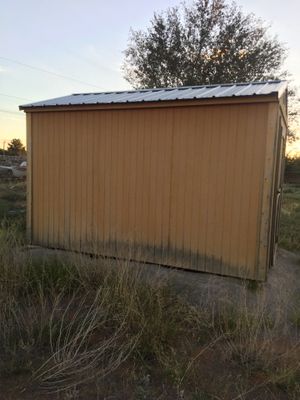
x=84, y=40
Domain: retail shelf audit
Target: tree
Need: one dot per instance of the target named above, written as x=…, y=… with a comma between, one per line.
x=292, y=164
x=209, y=42
x=15, y=148
x=293, y=114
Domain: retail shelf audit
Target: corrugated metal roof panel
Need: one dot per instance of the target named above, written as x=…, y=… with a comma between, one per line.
x=166, y=94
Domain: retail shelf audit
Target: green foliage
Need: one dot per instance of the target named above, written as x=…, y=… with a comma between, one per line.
x=253, y=285
x=204, y=43
x=288, y=380
x=15, y=148
x=200, y=395
x=289, y=230
x=295, y=314
x=12, y=205
x=50, y=276
x=292, y=164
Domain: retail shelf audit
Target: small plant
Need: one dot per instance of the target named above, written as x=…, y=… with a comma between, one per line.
x=295, y=312
x=248, y=336
x=287, y=379
x=201, y=395
x=253, y=285
x=289, y=231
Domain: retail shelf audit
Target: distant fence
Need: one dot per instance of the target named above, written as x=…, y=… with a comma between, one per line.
x=292, y=177
x=11, y=160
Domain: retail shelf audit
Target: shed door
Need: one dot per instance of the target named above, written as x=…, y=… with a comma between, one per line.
x=278, y=182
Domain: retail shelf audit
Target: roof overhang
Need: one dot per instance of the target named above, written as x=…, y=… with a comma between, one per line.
x=273, y=97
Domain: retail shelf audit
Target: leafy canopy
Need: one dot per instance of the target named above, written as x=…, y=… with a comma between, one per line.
x=207, y=42
x=15, y=148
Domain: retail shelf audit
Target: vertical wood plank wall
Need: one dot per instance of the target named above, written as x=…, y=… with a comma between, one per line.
x=29, y=179
x=180, y=186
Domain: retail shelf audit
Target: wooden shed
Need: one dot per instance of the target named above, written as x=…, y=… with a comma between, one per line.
x=188, y=177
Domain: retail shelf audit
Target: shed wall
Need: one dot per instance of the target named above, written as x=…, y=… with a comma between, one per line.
x=178, y=186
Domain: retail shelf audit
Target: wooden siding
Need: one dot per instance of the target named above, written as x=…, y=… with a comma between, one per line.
x=29, y=179
x=176, y=186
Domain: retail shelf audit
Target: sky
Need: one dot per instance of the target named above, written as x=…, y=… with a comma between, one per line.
x=84, y=40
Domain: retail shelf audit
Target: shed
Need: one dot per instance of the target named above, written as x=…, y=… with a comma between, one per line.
x=188, y=177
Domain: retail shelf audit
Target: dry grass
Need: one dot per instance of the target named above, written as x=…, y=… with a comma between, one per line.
x=290, y=218
x=84, y=327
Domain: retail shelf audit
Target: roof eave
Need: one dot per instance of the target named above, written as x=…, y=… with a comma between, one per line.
x=274, y=96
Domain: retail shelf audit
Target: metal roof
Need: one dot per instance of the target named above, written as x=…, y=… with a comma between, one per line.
x=167, y=94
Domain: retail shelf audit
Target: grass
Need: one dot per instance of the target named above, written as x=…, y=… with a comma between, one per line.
x=87, y=327
x=289, y=233
x=74, y=327
x=12, y=205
